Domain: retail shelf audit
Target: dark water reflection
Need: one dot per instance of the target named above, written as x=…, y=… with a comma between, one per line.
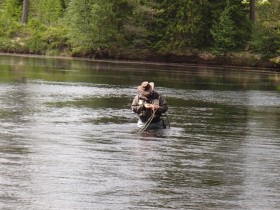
x=68, y=139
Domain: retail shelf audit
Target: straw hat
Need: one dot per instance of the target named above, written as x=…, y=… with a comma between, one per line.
x=146, y=88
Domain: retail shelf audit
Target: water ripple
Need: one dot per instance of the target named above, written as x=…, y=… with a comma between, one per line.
x=76, y=146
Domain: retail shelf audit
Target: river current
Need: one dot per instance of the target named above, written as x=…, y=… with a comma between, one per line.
x=68, y=138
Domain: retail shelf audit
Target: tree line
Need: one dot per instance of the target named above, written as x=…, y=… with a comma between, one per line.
x=91, y=27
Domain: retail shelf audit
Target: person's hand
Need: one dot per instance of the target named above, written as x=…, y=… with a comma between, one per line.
x=151, y=106
x=148, y=106
x=155, y=107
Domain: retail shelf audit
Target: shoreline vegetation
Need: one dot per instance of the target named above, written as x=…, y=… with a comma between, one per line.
x=243, y=33
x=240, y=60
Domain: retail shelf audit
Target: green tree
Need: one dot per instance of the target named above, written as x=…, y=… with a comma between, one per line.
x=138, y=22
x=181, y=24
x=232, y=29
x=10, y=14
x=46, y=11
x=91, y=24
x=266, y=34
x=12, y=10
x=224, y=32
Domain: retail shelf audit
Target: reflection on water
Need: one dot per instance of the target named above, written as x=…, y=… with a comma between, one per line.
x=68, y=139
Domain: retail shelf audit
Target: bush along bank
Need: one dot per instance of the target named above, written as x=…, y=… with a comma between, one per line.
x=238, y=59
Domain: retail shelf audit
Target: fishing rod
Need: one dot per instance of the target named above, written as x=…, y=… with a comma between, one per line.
x=146, y=125
x=148, y=122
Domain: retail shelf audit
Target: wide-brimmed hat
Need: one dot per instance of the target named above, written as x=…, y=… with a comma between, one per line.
x=146, y=87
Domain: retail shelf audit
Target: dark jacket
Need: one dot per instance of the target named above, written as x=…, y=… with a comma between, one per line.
x=144, y=114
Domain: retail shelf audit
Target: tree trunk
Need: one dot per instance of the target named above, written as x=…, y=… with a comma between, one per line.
x=25, y=10
x=253, y=11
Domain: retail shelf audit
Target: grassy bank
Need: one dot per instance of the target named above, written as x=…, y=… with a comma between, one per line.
x=54, y=47
x=231, y=60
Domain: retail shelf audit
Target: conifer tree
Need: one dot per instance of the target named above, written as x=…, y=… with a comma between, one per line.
x=181, y=24
x=138, y=26
x=231, y=26
x=224, y=31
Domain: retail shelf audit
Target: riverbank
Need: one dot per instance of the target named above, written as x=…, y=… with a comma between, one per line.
x=233, y=59
x=238, y=59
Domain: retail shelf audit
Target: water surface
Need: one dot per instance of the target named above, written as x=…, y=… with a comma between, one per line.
x=68, y=139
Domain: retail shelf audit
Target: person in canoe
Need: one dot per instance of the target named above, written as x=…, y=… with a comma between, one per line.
x=149, y=105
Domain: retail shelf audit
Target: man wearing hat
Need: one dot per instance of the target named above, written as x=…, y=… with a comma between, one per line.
x=149, y=105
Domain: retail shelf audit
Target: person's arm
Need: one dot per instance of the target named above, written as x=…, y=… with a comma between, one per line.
x=163, y=107
x=135, y=106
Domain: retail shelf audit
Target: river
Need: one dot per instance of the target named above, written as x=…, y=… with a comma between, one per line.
x=68, y=138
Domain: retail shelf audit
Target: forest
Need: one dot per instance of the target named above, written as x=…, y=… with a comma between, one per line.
x=206, y=31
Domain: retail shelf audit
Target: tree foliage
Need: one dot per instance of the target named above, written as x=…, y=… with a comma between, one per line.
x=266, y=36
x=47, y=11
x=181, y=24
x=85, y=27
x=138, y=25
x=232, y=28
x=224, y=32
x=91, y=24
x=12, y=10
